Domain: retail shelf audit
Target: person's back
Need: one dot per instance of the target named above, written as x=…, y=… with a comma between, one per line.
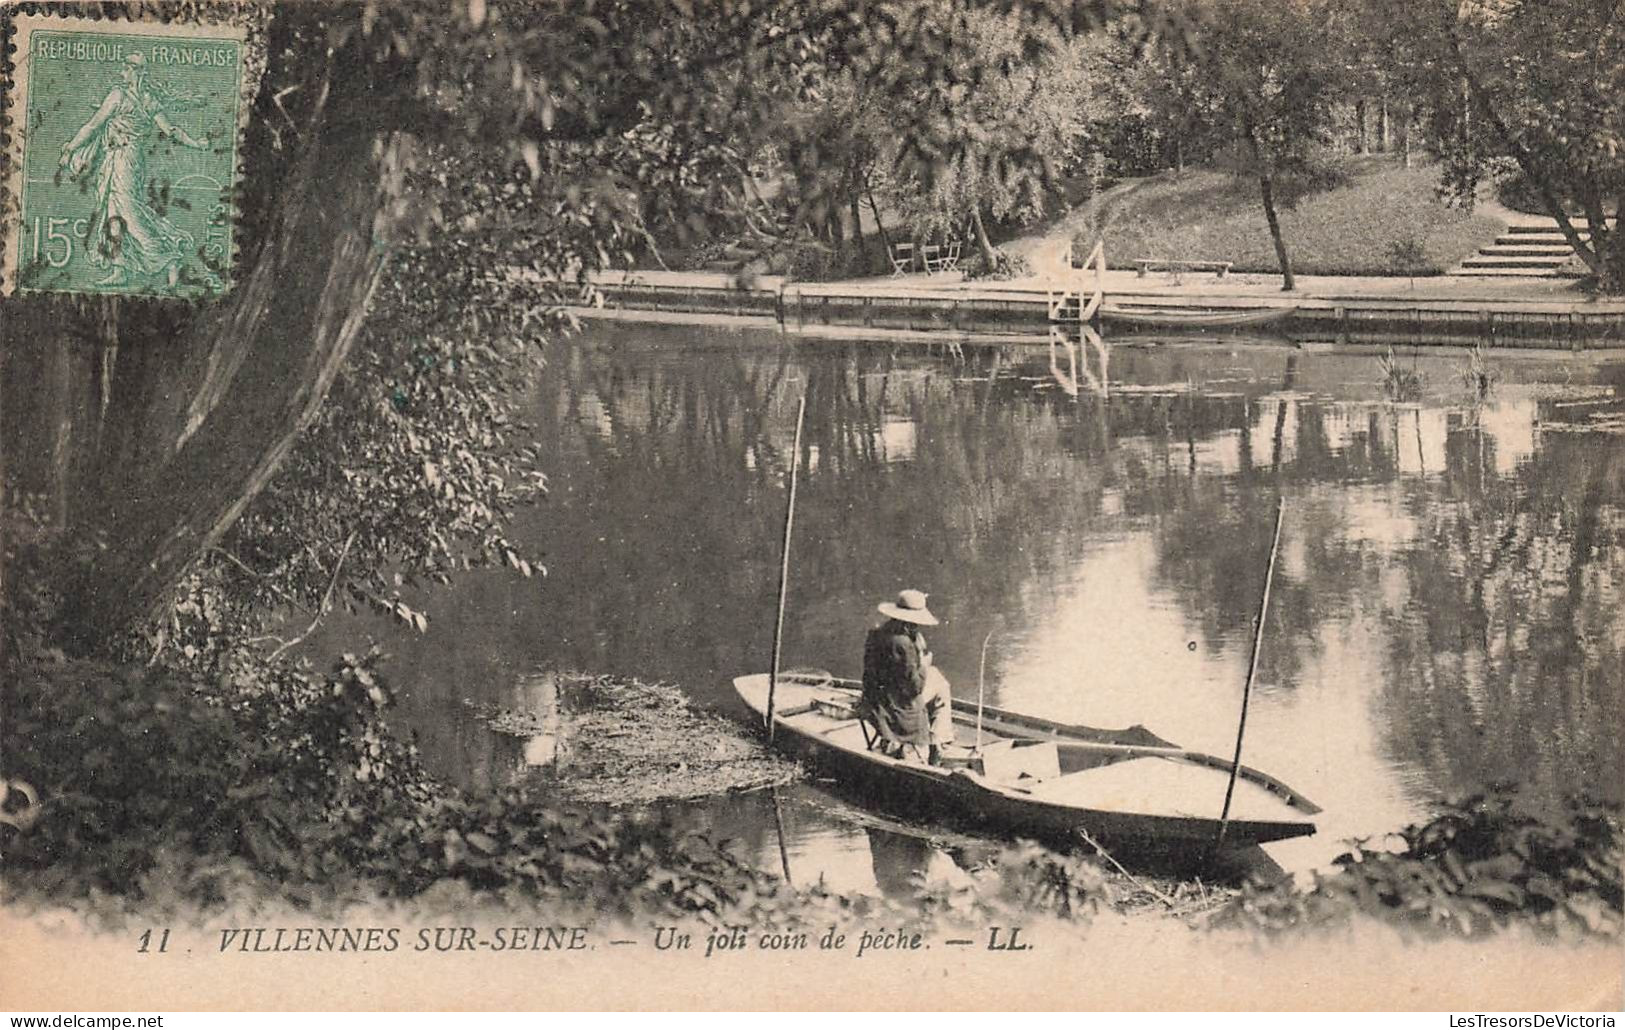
x=908, y=706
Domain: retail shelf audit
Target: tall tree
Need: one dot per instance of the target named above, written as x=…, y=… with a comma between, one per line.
x=1172, y=92
x=1263, y=68
x=1541, y=81
x=994, y=129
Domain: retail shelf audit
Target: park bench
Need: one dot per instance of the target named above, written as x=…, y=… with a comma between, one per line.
x=902, y=258
x=940, y=258
x=1222, y=268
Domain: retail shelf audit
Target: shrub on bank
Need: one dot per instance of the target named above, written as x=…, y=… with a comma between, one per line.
x=1004, y=266
x=1479, y=865
x=154, y=794
x=1339, y=225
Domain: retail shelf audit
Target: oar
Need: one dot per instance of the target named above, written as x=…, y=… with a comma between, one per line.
x=784, y=565
x=1252, y=670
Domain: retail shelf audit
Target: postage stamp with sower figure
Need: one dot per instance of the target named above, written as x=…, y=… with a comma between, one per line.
x=122, y=158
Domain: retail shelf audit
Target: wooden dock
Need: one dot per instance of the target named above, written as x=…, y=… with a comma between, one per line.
x=995, y=311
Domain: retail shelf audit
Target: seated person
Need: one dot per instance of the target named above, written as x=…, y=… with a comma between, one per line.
x=904, y=696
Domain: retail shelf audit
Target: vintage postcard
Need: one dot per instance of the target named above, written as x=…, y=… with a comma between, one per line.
x=944, y=506
x=123, y=158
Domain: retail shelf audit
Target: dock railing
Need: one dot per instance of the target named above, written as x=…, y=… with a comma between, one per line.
x=1062, y=301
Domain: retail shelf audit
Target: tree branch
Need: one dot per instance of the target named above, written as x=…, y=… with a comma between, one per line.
x=260, y=576
x=327, y=603
x=1520, y=153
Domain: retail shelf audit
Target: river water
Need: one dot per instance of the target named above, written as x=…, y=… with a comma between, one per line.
x=1446, y=613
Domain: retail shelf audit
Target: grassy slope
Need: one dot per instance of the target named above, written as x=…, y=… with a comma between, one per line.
x=1213, y=215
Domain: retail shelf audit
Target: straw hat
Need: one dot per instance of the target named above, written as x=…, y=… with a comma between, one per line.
x=910, y=607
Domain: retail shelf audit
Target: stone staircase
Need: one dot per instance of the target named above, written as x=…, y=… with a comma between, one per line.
x=1534, y=247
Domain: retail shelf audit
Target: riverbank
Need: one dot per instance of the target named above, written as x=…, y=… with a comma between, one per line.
x=1503, y=312
x=617, y=741
x=614, y=741
x=637, y=746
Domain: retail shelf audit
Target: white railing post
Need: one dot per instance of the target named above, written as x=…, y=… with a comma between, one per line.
x=1097, y=259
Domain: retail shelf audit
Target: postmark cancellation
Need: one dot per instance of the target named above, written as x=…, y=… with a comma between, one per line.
x=122, y=157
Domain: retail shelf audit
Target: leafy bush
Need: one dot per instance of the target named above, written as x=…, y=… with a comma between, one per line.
x=279, y=785
x=133, y=767
x=1480, y=865
x=1514, y=190
x=155, y=795
x=1005, y=266
x=1407, y=254
x=810, y=260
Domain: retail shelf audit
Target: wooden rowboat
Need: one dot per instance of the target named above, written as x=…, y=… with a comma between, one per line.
x=1127, y=787
x=1186, y=318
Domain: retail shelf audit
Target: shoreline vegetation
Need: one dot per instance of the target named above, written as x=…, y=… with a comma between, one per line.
x=164, y=800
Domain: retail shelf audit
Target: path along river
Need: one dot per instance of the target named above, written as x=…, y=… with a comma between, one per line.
x=1448, y=611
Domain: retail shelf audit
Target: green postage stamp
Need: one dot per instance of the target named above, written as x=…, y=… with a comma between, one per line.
x=122, y=157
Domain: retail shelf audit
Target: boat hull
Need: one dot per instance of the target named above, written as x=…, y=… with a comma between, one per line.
x=966, y=797
x=1174, y=318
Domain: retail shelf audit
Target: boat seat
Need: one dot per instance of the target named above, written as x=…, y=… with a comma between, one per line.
x=1007, y=761
x=832, y=708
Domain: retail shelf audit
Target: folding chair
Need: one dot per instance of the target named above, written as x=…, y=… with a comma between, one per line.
x=950, y=260
x=902, y=258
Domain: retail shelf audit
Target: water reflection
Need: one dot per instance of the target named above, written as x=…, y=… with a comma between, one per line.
x=1447, y=610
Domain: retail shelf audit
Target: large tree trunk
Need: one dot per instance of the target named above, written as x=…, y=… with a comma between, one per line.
x=880, y=226
x=162, y=426
x=1360, y=146
x=1267, y=190
x=989, y=256
x=5, y=529
x=1405, y=132
x=1610, y=246
x=273, y=348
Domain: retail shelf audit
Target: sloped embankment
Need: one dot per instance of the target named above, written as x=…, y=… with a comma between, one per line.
x=1376, y=218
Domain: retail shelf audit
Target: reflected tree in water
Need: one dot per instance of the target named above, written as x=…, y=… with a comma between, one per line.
x=1507, y=657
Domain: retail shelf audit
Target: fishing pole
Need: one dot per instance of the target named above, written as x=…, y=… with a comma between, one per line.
x=1252, y=670
x=784, y=565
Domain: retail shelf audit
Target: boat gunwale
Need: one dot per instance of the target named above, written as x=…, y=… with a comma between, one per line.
x=1171, y=316
x=1061, y=732
x=965, y=778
